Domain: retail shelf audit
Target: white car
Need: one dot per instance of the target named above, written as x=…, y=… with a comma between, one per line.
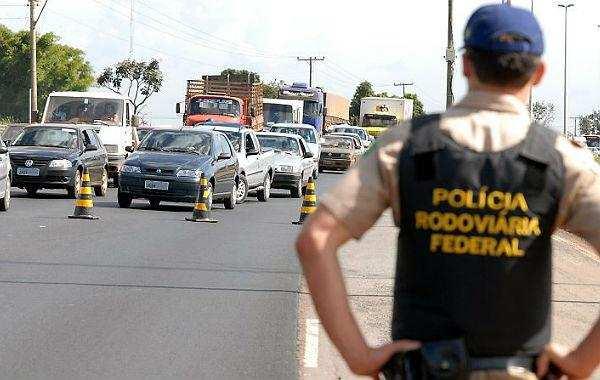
x=360, y=148
x=365, y=138
x=308, y=133
x=293, y=161
x=5, y=172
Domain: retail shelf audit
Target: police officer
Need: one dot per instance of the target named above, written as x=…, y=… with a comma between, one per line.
x=477, y=193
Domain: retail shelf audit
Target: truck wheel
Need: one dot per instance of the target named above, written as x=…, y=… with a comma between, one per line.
x=232, y=198
x=5, y=202
x=297, y=190
x=124, y=200
x=264, y=194
x=242, y=190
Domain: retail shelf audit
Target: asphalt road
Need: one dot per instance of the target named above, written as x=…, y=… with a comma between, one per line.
x=141, y=293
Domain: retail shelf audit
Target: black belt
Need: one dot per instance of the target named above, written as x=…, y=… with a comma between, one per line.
x=502, y=362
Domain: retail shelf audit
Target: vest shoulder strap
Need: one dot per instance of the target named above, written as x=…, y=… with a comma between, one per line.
x=424, y=136
x=539, y=143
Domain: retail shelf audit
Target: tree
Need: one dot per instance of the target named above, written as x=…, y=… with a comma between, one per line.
x=418, y=108
x=271, y=89
x=363, y=90
x=59, y=68
x=590, y=124
x=543, y=113
x=138, y=80
x=236, y=75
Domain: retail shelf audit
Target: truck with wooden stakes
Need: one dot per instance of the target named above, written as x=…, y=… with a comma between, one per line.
x=226, y=99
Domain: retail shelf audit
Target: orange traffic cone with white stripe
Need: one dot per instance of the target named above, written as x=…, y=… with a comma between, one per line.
x=84, y=202
x=309, y=202
x=202, y=209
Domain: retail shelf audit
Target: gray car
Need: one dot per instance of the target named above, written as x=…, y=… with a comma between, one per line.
x=5, y=173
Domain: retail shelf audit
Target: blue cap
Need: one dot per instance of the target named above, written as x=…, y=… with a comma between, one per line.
x=504, y=29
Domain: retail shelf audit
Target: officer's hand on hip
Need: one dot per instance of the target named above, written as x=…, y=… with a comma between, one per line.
x=375, y=358
x=568, y=362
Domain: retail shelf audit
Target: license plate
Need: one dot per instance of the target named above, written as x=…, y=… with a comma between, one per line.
x=156, y=185
x=33, y=172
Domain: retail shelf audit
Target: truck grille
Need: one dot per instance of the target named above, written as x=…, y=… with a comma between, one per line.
x=111, y=148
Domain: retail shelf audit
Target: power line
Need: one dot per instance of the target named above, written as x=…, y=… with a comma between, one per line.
x=310, y=61
x=403, y=84
x=343, y=71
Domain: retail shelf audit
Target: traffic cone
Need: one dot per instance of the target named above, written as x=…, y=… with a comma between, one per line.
x=201, y=209
x=84, y=202
x=309, y=202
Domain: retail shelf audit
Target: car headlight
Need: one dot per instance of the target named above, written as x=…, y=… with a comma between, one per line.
x=190, y=173
x=130, y=169
x=285, y=168
x=60, y=164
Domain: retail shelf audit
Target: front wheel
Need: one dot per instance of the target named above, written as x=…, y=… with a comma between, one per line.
x=315, y=174
x=264, y=194
x=242, y=189
x=297, y=190
x=232, y=198
x=73, y=191
x=31, y=190
x=5, y=202
x=101, y=190
x=154, y=203
x=124, y=200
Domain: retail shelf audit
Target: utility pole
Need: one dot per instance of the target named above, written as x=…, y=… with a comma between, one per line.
x=310, y=61
x=450, y=58
x=403, y=84
x=131, y=30
x=575, y=119
x=566, y=6
x=33, y=58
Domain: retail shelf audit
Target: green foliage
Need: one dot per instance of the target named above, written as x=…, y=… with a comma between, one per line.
x=418, y=108
x=236, y=75
x=138, y=80
x=59, y=68
x=271, y=89
x=590, y=124
x=543, y=113
x=363, y=90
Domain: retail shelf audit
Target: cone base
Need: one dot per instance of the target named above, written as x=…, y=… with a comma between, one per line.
x=88, y=217
x=203, y=220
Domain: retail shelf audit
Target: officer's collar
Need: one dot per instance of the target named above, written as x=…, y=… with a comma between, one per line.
x=483, y=100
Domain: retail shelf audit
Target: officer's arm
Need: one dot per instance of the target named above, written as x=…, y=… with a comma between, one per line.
x=317, y=247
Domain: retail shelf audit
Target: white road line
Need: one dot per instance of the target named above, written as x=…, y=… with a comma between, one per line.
x=576, y=248
x=311, y=343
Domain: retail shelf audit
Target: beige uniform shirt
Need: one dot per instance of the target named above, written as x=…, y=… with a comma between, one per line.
x=483, y=122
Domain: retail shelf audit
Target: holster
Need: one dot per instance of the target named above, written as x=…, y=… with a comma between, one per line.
x=444, y=360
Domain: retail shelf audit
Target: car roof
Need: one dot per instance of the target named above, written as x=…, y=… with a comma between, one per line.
x=277, y=134
x=293, y=125
x=153, y=127
x=349, y=135
x=79, y=127
x=346, y=126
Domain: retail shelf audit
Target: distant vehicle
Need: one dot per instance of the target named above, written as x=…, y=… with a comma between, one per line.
x=377, y=114
x=168, y=165
x=365, y=138
x=293, y=161
x=54, y=157
x=308, y=133
x=321, y=109
x=111, y=116
x=340, y=152
x=5, y=174
x=256, y=164
x=593, y=143
x=282, y=111
x=358, y=146
x=11, y=132
x=223, y=99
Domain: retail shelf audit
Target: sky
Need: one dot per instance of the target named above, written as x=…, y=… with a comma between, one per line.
x=382, y=41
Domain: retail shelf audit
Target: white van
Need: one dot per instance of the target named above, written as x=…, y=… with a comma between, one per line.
x=111, y=115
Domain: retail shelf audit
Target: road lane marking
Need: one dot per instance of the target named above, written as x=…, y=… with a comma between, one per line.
x=576, y=247
x=311, y=343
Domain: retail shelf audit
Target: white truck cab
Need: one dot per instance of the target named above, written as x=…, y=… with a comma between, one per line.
x=111, y=114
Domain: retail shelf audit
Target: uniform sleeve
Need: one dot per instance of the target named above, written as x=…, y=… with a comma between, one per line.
x=367, y=190
x=580, y=207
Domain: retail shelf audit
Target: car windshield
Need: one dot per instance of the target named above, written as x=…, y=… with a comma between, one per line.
x=311, y=108
x=307, y=133
x=215, y=106
x=178, y=141
x=593, y=141
x=379, y=121
x=234, y=137
x=337, y=142
x=360, y=132
x=11, y=132
x=277, y=113
x=48, y=137
x=72, y=110
x=143, y=133
x=282, y=143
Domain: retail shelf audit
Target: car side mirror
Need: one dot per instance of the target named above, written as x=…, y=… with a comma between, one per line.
x=90, y=147
x=129, y=149
x=252, y=152
x=3, y=150
x=308, y=155
x=135, y=121
x=224, y=156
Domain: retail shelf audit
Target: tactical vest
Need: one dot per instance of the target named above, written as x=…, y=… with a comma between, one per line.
x=474, y=251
